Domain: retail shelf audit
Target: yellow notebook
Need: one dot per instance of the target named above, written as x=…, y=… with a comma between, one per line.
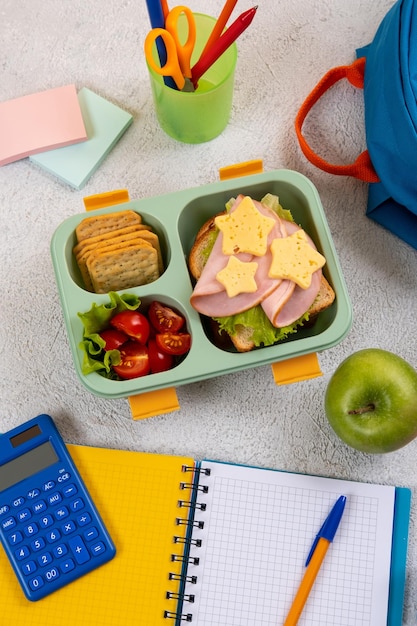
x=218, y=544
x=137, y=496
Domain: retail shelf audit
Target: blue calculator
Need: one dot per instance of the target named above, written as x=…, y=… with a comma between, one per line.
x=49, y=526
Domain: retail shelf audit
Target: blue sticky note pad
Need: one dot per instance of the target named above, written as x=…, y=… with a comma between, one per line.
x=105, y=123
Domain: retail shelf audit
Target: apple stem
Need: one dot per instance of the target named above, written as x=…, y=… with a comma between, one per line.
x=363, y=409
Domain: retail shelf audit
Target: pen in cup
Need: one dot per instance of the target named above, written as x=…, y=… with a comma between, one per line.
x=220, y=24
x=221, y=44
x=314, y=560
x=157, y=19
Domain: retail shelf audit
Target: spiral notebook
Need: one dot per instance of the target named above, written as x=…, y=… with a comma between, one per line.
x=217, y=544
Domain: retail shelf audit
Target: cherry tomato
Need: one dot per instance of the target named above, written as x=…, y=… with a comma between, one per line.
x=173, y=343
x=159, y=360
x=132, y=323
x=113, y=338
x=135, y=360
x=164, y=319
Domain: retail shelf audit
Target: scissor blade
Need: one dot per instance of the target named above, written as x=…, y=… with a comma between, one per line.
x=188, y=85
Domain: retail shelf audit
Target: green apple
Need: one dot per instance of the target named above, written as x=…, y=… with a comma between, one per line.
x=371, y=401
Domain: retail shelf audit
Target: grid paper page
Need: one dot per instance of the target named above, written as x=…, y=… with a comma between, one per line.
x=259, y=528
x=137, y=496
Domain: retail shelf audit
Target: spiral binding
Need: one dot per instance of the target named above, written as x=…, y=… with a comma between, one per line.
x=187, y=542
x=197, y=470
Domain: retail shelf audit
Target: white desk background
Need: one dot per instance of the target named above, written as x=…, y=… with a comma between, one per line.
x=243, y=417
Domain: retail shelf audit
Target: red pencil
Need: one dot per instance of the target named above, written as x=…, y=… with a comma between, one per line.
x=221, y=44
x=220, y=24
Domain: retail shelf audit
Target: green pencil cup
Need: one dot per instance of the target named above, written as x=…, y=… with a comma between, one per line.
x=199, y=116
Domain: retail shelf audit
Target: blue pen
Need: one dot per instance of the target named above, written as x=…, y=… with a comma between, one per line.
x=315, y=558
x=157, y=18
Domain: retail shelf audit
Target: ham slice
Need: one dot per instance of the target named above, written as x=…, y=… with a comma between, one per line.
x=282, y=300
x=283, y=308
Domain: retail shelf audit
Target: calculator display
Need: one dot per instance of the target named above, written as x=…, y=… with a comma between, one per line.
x=27, y=464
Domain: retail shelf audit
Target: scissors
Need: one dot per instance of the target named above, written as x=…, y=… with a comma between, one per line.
x=178, y=54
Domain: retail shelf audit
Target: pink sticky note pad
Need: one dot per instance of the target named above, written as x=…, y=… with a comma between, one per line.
x=38, y=122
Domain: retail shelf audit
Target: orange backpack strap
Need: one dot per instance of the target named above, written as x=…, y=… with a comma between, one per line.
x=362, y=167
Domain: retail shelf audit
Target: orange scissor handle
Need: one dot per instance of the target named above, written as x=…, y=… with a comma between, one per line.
x=184, y=50
x=171, y=67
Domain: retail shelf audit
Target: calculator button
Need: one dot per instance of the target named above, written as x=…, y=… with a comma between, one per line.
x=46, y=521
x=98, y=548
x=45, y=559
x=49, y=485
x=29, y=568
x=84, y=519
x=61, y=513
x=15, y=538
x=4, y=509
x=67, y=565
x=38, y=544
x=18, y=502
x=60, y=550
x=33, y=493
x=53, y=536
x=31, y=529
x=68, y=528
x=70, y=490
x=55, y=498
x=22, y=553
x=79, y=550
x=8, y=523
x=77, y=505
x=91, y=533
x=51, y=574
x=64, y=477
x=36, y=583
x=39, y=507
x=23, y=515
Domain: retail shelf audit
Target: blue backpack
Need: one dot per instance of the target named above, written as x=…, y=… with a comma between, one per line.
x=386, y=69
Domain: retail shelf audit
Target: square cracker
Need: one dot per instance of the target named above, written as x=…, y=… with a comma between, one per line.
x=127, y=267
x=85, y=244
x=98, y=224
x=106, y=246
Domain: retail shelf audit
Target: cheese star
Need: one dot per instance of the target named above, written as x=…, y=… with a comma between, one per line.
x=238, y=277
x=294, y=258
x=245, y=229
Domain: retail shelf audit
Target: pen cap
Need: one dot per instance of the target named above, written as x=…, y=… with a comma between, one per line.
x=330, y=525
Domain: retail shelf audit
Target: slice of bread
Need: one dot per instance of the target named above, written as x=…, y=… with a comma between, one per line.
x=242, y=340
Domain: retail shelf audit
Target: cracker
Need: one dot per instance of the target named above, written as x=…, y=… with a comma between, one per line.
x=104, y=240
x=106, y=246
x=83, y=245
x=98, y=224
x=127, y=267
x=154, y=241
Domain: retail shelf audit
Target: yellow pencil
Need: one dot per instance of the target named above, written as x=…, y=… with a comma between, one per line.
x=314, y=560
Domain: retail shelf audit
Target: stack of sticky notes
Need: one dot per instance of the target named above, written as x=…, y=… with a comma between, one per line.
x=69, y=134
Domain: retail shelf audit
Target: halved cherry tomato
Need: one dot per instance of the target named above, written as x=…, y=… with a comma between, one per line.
x=159, y=360
x=113, y=338
x=132, y=323
x=164, y=319
x=135, y=360
x=173, y=343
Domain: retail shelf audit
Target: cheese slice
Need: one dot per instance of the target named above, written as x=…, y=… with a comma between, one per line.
x=295, y=259
x=238, y=277
x=245, y=229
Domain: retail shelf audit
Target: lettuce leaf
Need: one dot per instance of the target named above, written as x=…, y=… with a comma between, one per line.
x=264, y=333
x=97, y=319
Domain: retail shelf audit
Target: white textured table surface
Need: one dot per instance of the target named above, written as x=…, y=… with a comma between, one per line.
x=243, y=417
